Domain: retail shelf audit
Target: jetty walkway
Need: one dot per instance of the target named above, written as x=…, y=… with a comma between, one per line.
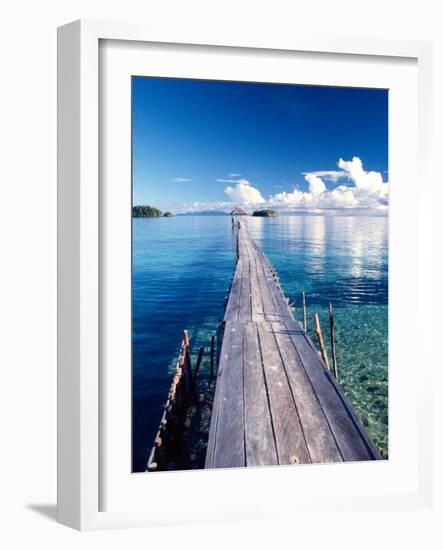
x=275, y=401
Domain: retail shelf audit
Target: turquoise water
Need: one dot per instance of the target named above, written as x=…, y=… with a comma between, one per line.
x=182, y=268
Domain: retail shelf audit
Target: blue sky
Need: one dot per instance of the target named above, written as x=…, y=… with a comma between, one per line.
x=201, y=145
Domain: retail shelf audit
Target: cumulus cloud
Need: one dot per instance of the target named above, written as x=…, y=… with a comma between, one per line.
x=332, y=175
x=316, y=185
x=244, y=192
x=349, y=187
x=368, y=190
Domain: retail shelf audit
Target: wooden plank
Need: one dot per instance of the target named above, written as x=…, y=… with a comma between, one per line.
x=242, y=243
x=318, y=434
x=232, y=307
x=264, y=268
x=276, y=293
x=269, y=309
x=229, y=448
x=244, y=313
x=348, y=432
x=256, y=298
x=289, y=437
x=210, y=449
x=346, y=403
x=259, y=437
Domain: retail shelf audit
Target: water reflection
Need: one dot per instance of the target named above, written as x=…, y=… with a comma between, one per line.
x=343, y=258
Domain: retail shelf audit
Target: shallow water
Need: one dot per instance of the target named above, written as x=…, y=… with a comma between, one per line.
x=182, y=268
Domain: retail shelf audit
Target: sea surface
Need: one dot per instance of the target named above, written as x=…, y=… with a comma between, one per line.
x=182, y=269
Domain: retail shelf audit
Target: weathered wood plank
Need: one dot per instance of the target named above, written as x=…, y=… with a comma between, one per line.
x=244, y=312
x=348, y=432
x=259, y=436
x=289, y=437
x=276, y=294
x=319, y=437
x=230, y=437
x=256, y=298
x=243, y=243
x=346, y=403
x=232, y=307
x=269, y=310
x=210, y=450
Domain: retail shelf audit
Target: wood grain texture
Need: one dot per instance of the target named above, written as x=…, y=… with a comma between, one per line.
x=244, y=311
x=348, y=432
x=259, y=436
x=319, y=437
x=289, y=436
x=233, y=305
x=230, y=438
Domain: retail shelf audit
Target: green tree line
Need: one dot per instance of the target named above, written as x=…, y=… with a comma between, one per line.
x=146, y=211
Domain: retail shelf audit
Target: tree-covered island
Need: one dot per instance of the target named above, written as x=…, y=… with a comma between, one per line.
x=146, y=211
x=266, y=213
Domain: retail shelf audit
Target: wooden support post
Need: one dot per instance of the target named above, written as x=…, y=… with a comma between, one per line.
x=187, y=358
x=197, y=368
x=304, y=310
x=186, y=338
x=181, y=360
x=321, y=342
x=189, y=363
x=332, y=333
x=212, y=355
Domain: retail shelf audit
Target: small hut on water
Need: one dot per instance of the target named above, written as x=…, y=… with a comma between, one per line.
x=239, y=211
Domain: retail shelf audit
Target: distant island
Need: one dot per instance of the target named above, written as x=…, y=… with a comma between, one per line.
x=266, y=213
x=146, y=211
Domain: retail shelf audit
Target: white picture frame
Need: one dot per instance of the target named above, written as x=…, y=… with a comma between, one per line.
x=79, y=259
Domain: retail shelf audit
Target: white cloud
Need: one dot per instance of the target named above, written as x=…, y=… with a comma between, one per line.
x=371, y=182
x=368, y=191
x=360, y=191
x=243, y=192
x=332, y=175
x=233, y=177
x=181, y=180
x=316, y=185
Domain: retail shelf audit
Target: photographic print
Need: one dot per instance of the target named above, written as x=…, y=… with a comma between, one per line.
x=259, y=274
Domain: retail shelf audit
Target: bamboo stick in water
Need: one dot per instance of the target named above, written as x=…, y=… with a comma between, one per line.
x=320, y=340
x=187, y=357
x=332, y=332
x=199, y=362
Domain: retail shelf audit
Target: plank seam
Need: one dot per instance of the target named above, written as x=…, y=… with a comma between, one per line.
x=315, y=393
x=267, y=393
x=244, y=401
x=292, y=395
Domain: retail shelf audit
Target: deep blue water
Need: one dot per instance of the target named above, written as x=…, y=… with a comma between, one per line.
x=182, y=268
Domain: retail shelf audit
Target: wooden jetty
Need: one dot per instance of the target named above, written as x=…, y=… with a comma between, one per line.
x=275, y=401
